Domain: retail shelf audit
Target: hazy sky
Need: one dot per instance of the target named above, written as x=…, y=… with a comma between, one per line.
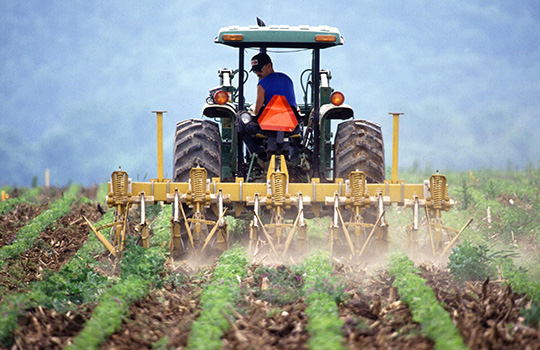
x=78, y=79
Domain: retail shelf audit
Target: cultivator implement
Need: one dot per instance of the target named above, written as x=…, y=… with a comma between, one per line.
x=279, y=208
x=345, y=199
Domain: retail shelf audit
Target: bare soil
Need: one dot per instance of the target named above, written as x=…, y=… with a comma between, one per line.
x=487, y=314
x=56, y=245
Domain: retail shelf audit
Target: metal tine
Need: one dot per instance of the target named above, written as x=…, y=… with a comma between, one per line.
x=214, y=229
x=293, y=230
x=178, y=204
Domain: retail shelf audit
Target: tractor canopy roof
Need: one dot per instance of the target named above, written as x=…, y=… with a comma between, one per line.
x=308, y=37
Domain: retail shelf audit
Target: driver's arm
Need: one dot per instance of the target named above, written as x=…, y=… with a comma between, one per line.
x=260, y=99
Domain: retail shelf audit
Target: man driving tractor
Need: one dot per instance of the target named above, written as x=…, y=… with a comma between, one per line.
x=270, y=84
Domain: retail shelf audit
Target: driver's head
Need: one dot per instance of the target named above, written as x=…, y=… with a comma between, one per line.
x=259, y=62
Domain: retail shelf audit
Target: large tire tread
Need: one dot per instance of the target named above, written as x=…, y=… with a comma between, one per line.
x=197, y=143
x=359, y=146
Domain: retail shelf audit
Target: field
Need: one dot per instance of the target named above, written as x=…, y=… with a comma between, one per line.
x=60, y=289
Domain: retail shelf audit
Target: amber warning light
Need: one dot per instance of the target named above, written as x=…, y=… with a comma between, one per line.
x=221, y=97
x=325, y=38
x=337, y=98
x=233, y=37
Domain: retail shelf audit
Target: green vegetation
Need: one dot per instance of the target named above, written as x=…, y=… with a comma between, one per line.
x=284, y=283
x=27, y=236
x=28, y=196
x=492, y=247
x=426, y=310
x=102, y=192
x=322, y=292
x=317, y=228
x=141, y=270
x=75, y=283
x=161, y=226
x=78, y=282
x=237, y=227
x=469, y=262
x=218, y=300
x=511, y=198
x=532, y=315
x=504, y=205
x=521, y=283
x=476, y=263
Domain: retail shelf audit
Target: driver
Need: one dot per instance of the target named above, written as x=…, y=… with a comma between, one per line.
x=270, y=83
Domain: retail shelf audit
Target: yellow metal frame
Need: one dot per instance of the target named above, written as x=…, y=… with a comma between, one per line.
x=277, y=195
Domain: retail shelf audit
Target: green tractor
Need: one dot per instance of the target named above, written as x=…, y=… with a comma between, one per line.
x=216, y=145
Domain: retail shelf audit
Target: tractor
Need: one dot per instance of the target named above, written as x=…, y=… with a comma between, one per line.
x=217, y=146
x=309, y=172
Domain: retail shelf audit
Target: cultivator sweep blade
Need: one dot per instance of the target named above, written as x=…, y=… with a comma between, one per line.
x=121, y=201
x=355, y=201
x=199, y=230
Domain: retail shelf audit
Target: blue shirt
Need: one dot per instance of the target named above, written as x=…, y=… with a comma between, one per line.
x=278, y=84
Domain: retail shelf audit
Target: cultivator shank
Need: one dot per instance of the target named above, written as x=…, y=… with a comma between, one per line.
x=355, y=201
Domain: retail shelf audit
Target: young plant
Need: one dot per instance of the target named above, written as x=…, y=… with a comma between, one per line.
x=284, y=283
x=141, y=270
x=476, y=263
x=470, y=263
x=27, y=196
x=75, y=283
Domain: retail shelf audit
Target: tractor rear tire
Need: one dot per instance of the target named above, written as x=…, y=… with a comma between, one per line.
x=197, y=142
x=359, y=146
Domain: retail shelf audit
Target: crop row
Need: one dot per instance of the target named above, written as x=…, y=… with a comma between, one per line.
x=322, y=292
x=78, y=282
x=27, y=236
x=140, y=272
x=28, y=196
x=218, y=301
x=74, y=284
x=425, y=308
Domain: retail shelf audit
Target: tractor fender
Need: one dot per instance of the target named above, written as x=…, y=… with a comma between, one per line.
x=219, y=111
x=329, y=111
